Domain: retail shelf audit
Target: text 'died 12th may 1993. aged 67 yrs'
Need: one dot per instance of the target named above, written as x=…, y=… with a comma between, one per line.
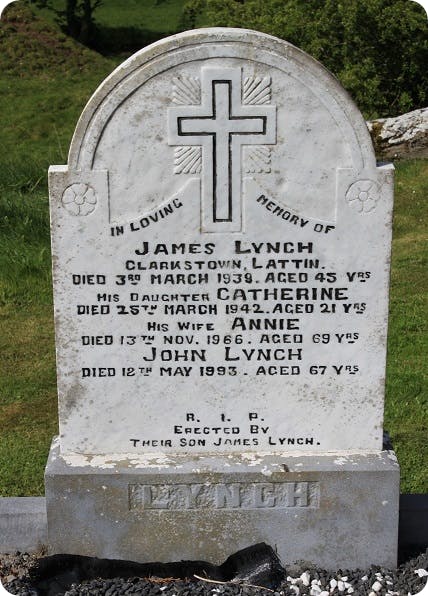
x=211, y=295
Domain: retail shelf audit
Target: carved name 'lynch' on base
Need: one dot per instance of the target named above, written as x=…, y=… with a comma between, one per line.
x=256, y=495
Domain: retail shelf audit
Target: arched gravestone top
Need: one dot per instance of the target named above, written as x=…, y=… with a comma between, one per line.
x=223, y=187
x=315, y=114
x=186, y=49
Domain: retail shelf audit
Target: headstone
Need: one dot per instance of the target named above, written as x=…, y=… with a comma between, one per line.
x=221, y=242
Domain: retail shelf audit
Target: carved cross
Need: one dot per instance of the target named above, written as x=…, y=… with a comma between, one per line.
x=222, y=125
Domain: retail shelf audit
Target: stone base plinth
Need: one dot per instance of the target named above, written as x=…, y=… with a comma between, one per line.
x=335, y=510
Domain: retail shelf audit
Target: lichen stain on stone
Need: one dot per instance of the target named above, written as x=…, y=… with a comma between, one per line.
x=71, y=400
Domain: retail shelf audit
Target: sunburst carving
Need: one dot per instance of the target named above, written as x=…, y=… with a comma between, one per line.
x=258, y=160
x=256, y=90
x=187, y=160
x=186, y=90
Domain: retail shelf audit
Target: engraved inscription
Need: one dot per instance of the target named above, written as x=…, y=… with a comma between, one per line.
x=222, y=124
x=278, y=311
x=234, y=495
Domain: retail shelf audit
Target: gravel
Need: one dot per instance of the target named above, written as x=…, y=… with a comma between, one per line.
x=410, y=578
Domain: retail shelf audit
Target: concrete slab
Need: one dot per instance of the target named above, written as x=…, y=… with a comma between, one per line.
x=327, y=510
x=23, y=525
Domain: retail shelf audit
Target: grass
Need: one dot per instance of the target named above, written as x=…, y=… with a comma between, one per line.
x=406, y=412
x=42, y=99
x=28, y=398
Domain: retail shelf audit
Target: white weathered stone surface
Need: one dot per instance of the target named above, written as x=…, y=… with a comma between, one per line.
x=218, y=181
x=221, y=241
x=401, y=136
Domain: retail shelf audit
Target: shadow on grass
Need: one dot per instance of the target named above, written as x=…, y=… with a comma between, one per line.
x=118, y=40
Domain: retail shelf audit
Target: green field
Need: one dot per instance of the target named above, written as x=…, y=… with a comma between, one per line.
x=45, y=82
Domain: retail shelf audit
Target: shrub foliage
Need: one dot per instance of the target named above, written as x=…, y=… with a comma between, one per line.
x=378, y=49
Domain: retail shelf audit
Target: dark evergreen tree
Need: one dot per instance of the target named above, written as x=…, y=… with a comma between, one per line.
x=76, y=17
